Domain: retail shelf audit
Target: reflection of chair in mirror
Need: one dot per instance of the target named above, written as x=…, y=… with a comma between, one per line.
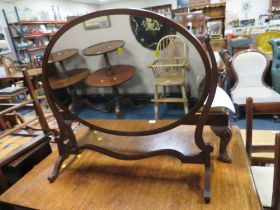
x=249, y=68
x=169, y=70
x=266, y=177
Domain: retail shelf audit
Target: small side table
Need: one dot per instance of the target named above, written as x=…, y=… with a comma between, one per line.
x=67, y=78
x=120, y=74
x=62, y=55
x=109, y=76
x=104, y=48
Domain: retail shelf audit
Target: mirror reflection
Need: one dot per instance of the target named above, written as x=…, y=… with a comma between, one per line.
x=133, y=68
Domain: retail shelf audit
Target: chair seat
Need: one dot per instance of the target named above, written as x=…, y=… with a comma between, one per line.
x=263, y=177
x=259, y=94
x=167, y=79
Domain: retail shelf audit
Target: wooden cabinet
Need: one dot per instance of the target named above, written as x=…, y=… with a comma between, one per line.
x=275, y=9
x=218, y=44
x=214, y=12
x=30, y=38
x=163, y=9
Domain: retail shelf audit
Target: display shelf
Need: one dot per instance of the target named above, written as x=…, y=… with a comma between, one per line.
x=162, y=9
x=37, y=48
x=32, y=48
x=33, y=35
x=218, y=17
x=203, y=6
x=29, y=34
x=31, y=22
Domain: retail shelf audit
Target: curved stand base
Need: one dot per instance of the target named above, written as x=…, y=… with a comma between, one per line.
x=56, y=168
x=207, y=195
x=199, y=158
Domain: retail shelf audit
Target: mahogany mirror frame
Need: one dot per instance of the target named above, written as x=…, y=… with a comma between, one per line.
x=209, y=88
x=67, y=142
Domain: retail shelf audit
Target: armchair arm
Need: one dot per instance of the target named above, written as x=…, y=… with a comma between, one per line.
x=153, y=63
x=156, y=63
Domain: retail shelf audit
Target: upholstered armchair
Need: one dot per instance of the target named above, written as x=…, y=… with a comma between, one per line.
x=275, y=69
x=250, y=67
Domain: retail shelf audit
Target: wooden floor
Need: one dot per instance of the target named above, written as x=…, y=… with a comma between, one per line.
x=97, y=182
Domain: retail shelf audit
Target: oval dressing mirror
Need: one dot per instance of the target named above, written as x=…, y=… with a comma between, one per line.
x=126, y=65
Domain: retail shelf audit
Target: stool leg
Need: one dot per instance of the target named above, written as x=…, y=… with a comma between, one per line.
x=184, y=94
x=10, y=100
x=164, y=91
x=156, y=103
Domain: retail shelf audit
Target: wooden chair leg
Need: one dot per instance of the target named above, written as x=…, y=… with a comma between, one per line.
x=236, y=114
x=184, y=95
x=164, y=91
x=25, y=96
x=207, y=184
x=156, y=103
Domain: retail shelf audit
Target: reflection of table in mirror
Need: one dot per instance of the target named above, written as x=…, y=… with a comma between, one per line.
x=120, y=74
x=104, y=48
x=94, y=181
x=67, y=78
x=109, y=76
x=62, y=55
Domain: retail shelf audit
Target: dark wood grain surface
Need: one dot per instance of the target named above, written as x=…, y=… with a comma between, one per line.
x=69, y=78
x=103, y=47
x=62, y=55
x=94, y=181
x=119, y=74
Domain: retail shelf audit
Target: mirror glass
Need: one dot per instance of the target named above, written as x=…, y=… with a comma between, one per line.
x=123, y=67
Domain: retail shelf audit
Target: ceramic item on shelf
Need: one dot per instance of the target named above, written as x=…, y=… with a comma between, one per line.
x=43, y=15
x=27, y=14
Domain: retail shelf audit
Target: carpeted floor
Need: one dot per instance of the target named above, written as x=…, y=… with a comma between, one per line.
x=166, y=111
x=259, y=123
x=171, y=111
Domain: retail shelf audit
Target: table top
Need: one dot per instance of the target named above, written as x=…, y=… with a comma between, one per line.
x=103, y=47
x=62, y=55
x=12, y=146
x=95, y=181
x=16, y=93
x=71, y=77
x=31, y=72
x=101, y=78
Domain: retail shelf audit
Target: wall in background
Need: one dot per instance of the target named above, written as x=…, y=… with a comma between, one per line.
x=234, y=9
x=39, y=8
x=138, y=4
x=133, y=54
x=145, y=3
x=66, y=8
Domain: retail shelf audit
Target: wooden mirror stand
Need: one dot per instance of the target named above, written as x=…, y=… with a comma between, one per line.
x=183, y=142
